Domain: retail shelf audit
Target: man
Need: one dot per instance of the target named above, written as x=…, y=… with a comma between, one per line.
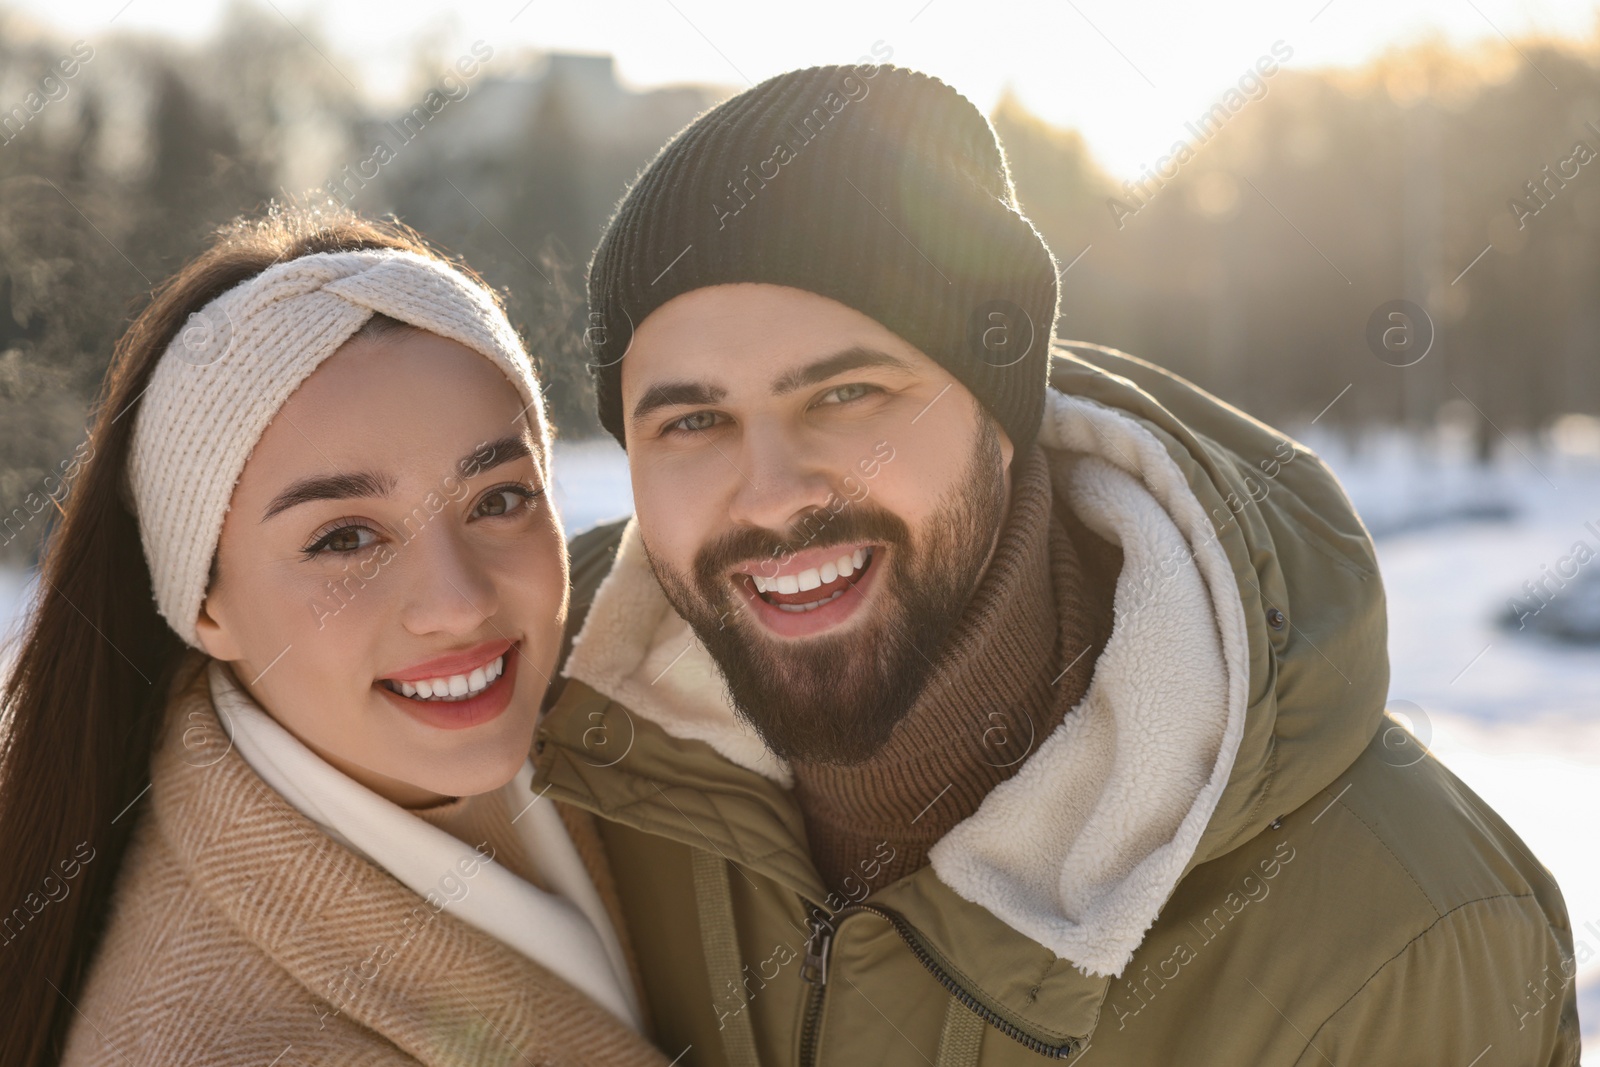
x=954, y=699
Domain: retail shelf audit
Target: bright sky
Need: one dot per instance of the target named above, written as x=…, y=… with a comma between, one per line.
x=1127, y=74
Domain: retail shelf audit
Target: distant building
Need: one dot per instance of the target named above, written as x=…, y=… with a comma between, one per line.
x=561, y=130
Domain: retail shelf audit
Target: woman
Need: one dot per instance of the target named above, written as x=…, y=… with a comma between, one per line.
x=280, y=812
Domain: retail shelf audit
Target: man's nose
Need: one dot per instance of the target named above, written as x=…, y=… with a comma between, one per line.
x=778, y=482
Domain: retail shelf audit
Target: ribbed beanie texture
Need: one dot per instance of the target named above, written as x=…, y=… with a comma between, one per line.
x=223, y=378
x=879, y=187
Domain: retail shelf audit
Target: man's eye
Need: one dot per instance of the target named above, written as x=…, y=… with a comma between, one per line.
x=699, y=420
x=845, y=393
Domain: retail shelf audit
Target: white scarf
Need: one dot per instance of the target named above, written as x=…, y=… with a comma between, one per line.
x=568, y=932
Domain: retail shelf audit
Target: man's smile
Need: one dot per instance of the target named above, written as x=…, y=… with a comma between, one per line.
x=806, y=593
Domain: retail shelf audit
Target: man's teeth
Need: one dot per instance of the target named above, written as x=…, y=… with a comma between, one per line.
x=814, y=577
x=452, y=687
x=813, y=606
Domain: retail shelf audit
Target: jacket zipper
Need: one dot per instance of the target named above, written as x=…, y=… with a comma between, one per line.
x=815, y=972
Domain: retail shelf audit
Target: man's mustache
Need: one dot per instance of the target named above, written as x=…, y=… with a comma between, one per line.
x=764, y=552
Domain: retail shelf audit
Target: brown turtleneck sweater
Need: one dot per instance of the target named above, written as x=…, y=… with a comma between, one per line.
x=1018, y=661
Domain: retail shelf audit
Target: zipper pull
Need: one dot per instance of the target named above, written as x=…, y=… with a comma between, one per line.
x=815, y=968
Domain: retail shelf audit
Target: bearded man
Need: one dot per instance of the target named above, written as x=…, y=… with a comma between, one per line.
x=956, y=696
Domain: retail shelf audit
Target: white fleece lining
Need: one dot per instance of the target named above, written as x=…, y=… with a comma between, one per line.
x=636, y=650
x=1082, y=847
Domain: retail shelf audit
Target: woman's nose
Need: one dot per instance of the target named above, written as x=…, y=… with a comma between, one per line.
x=451, y=590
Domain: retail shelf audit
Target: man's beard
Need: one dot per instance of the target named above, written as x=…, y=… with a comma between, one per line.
x=836, y=698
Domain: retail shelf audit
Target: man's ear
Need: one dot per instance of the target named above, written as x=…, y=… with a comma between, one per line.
x=1008, y=451
x=216, y=637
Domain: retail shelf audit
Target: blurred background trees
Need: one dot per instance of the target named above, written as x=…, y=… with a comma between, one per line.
x=1253, y=271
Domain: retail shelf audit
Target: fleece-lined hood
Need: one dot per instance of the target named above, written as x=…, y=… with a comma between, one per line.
x=1249, y=595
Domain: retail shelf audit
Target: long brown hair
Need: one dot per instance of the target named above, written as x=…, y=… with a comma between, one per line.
x=81, y=711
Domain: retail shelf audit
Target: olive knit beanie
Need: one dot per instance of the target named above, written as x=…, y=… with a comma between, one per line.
x=879, y=187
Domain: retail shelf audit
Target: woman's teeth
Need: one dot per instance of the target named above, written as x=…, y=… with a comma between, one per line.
x=453, y=687
x=814, y=577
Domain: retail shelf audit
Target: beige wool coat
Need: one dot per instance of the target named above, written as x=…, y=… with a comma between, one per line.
x=240, y=933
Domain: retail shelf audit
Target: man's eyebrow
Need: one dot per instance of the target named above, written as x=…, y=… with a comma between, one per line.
x=838, y=363
x=670, y=394
x=330, y=487
x=348, y=485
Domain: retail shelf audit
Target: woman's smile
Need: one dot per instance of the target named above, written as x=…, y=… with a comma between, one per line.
x=457, y=691
x=453, y=675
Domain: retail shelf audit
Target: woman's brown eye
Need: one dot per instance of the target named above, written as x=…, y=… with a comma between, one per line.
x=504, y=501
x=345, y=540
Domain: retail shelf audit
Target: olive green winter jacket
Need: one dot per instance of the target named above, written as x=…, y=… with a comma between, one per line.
x=1226, y=854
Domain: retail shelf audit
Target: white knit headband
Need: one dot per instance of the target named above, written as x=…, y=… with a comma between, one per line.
x=223, y=378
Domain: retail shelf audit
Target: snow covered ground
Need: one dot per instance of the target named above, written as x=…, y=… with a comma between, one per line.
x=1517, y=716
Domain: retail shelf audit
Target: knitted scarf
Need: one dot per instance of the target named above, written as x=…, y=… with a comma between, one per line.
x=1018, y=661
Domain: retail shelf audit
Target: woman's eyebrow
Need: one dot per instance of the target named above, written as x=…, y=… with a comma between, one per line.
x=492, y=454
x=372, y=483
x=330, y=487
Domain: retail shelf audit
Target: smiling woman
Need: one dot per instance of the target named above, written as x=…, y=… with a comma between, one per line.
x=301, y=765
x=472, y=574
